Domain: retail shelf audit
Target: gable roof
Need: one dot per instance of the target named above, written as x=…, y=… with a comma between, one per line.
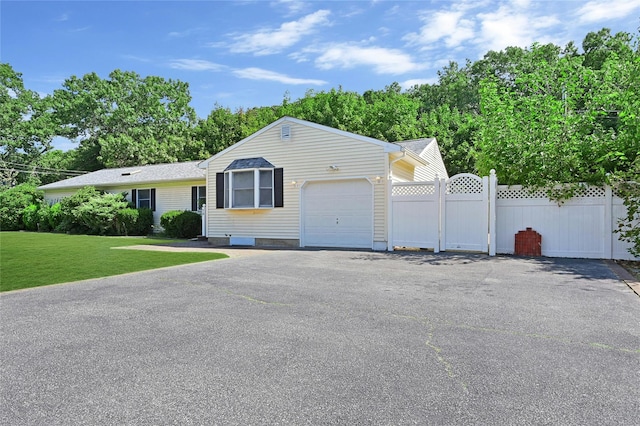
x=416, y=145
x=172, y=172
x=388, y=146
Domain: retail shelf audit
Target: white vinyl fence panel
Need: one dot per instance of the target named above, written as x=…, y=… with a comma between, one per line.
x=470, y=213
x=465, y=213
x=416, y=214
x=580, y=227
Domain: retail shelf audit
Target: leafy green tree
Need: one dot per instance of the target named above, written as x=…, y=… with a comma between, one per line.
x=26, y=129
x=456, y=88
x=13, y=202
x=390, y=115
x=455, y=132
x=56, y=165
x=558, y=123
x=602, y=45
x=336, y=108
x=127, y=120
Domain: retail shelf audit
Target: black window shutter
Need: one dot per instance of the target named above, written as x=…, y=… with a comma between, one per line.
x=278, y=187
x=134, y=198
x=219, y=190
x=153, y=199
x=194, y=198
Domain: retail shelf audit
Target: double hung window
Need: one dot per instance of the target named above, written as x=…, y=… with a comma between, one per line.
x=198, y=197
x=248, y=189
x=144, y=198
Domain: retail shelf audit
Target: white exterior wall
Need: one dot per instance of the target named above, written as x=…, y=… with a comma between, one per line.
x=304, y=157
x=436, y=166
x=53, y=196
x=169, y=196
x=402, y=172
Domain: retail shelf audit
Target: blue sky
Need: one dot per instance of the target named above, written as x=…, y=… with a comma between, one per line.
x=250, y=53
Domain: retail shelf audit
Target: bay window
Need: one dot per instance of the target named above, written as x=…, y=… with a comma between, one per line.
x=242, y=186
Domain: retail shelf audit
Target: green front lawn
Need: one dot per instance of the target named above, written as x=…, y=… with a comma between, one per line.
x=30, y=259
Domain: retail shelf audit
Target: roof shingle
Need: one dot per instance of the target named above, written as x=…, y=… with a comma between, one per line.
x=133, y=175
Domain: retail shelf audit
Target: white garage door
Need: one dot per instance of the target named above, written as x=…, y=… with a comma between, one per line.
x=338, y=214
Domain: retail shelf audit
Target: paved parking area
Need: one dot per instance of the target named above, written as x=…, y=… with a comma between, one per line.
x=327, y=337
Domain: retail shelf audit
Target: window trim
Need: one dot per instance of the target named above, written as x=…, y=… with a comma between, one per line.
x=198, y=192
x=135, y=197
x=229, y=192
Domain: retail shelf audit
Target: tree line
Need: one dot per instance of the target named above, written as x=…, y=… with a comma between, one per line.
x=539, y=115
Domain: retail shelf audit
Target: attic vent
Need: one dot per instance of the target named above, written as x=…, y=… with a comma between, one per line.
x=130, y=173
x=285, y=132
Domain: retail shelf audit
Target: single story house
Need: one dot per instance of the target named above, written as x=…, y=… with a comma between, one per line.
x=299, y=184
x=160, y=187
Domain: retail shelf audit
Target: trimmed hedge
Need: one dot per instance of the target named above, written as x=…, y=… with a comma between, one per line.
x=181, y=224
x=134, y=221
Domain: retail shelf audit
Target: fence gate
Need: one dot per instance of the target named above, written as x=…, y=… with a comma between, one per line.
x=451, y=214
x=465, y=213
x=416, y=214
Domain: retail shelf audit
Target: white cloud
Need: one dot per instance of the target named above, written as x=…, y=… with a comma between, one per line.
x=509, y=26
x=450, y=25
x=599, y=10
x=382, y=60
x=488, y=25
x=195, y=65
x=262, y=74
x=62, y=18
x=270, y=41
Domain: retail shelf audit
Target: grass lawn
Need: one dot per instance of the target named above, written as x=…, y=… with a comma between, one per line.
x=31, y=259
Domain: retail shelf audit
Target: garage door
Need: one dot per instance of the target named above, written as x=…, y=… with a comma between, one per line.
x=338, y=214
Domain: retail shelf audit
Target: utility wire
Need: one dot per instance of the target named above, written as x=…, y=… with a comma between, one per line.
x=42, y=167
x=38, y=172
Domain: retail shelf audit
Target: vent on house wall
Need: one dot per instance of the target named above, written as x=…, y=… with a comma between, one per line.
x=285, y=132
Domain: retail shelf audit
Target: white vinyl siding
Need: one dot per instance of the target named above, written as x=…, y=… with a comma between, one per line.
x=402, y=172
x=435, y=167
x=52, y=196
x=305, y=157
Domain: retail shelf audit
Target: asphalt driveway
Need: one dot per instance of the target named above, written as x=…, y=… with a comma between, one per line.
x=327, y=337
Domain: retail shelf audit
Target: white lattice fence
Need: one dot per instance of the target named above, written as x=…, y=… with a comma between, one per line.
x=580, y=227
x=467, y=212
x=450, y=214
